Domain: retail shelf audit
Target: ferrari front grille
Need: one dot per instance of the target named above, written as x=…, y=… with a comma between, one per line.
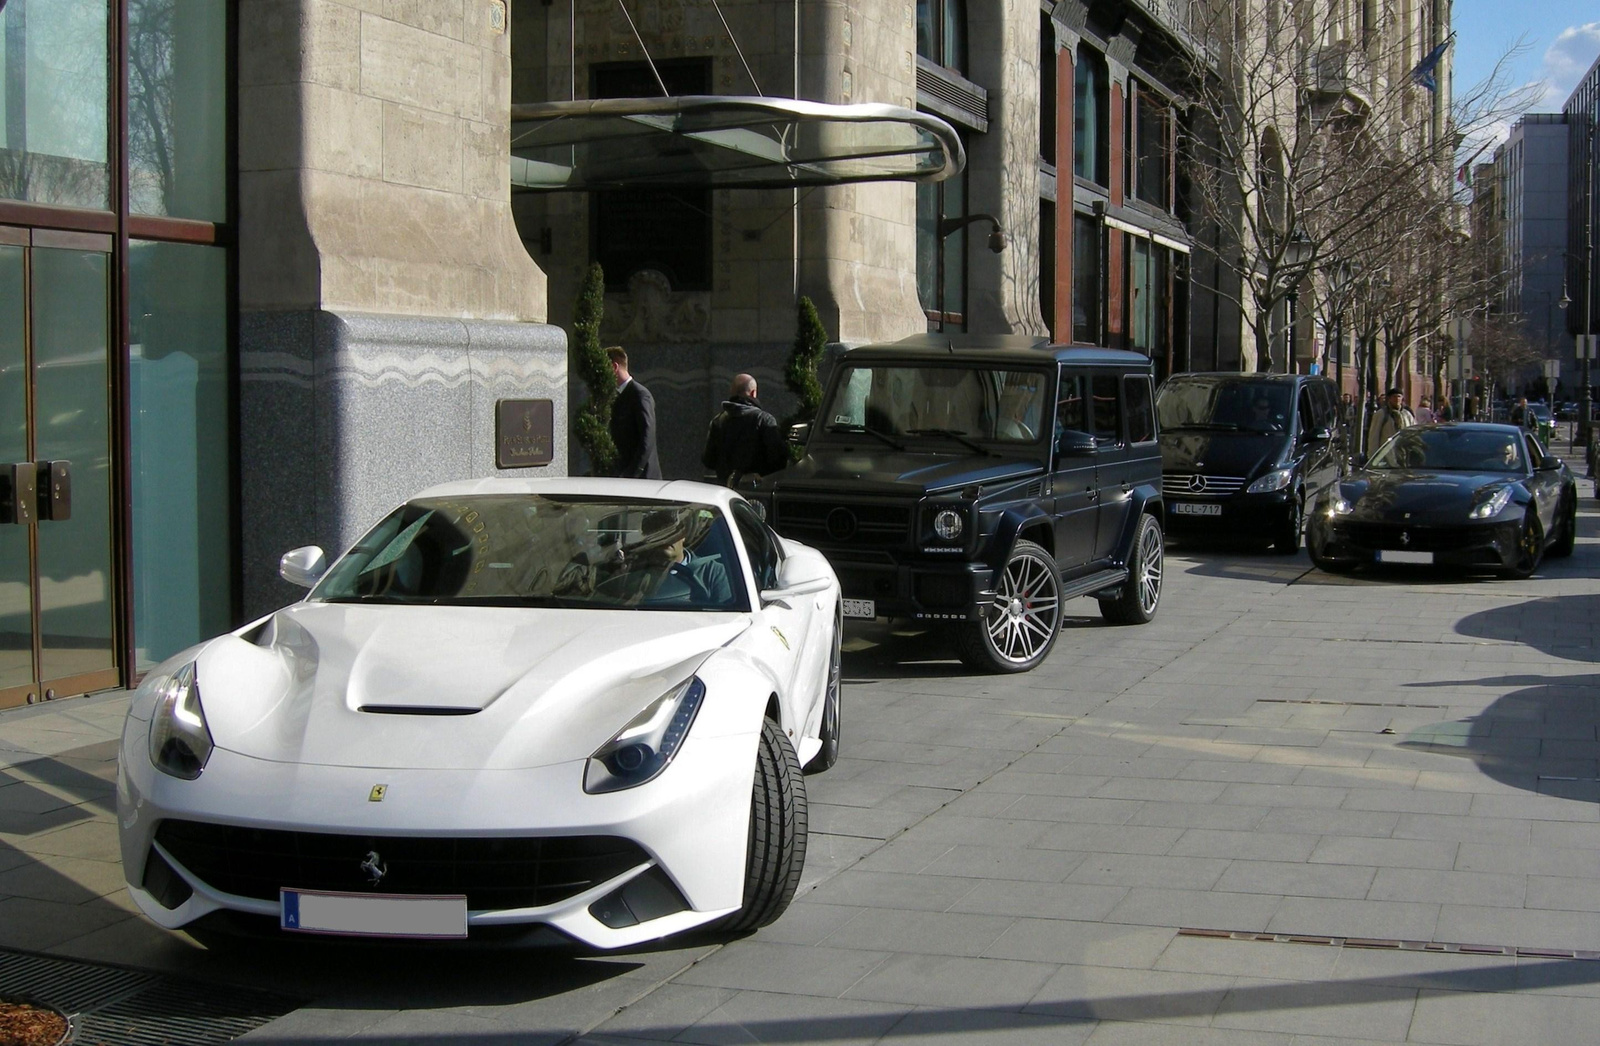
x=494, y=873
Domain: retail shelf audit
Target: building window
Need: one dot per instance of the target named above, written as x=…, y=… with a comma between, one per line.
x=1152, y=149
x=667, y=230
x=1047, y=266
x=1147, y=296
x=1089, y=117
x=177, y=87
x=942, y=33
x=942, y=261
x=1085, y=279
x=1047, y=90
x=54, y=102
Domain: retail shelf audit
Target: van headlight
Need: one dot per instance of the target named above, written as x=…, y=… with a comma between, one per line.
x=1277, y=479
x=180, y=742
x=643, y=748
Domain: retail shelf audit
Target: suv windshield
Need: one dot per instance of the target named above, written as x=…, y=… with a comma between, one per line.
x=530, y=550
x=962, y=402
x=1242, y=405
x=1451, y=450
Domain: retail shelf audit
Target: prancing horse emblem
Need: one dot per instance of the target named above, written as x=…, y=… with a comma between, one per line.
x=374, y=867
x=1405, y=538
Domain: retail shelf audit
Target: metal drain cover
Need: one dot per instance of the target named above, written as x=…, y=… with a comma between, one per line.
x=111, y=1006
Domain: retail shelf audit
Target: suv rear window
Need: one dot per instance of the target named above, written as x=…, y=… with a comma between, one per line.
x=1141, y=415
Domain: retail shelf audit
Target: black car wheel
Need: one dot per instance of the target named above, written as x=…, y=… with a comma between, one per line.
x=777, y=849
x=1530, y=546
x=1567, y=520
x=1020, y=625
x=828, y=754
x=1286, y=535
x=1136, y=604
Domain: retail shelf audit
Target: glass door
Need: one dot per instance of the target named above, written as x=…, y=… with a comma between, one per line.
x=57, y=582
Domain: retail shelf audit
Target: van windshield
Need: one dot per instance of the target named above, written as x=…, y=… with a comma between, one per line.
x=962, y=402
x=1227, y=406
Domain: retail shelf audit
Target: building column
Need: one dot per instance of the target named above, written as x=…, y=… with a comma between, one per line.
x=1118, y=54
x=1066, y=130
x=386, y=302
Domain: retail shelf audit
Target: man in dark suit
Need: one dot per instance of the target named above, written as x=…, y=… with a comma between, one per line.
x=633, y=423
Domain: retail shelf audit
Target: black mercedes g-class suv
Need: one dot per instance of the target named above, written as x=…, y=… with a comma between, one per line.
x=982, y=481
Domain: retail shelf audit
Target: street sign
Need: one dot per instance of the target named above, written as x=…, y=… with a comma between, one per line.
x=1460, y=329
x=1587, y=346
x=1552, y=369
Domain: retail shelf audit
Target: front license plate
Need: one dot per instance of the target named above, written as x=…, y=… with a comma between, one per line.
x=858, y=608
x=1191, y=508
x=373, y=915
x=1391, y=556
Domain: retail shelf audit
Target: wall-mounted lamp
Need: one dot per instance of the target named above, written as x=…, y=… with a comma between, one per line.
x=997, y=236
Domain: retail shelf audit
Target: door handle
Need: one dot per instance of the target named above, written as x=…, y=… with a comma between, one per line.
x=55, y=490
x=1127, y=488
x=19, y=491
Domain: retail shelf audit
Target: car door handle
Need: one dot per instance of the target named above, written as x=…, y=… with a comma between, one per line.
x=1127, y=488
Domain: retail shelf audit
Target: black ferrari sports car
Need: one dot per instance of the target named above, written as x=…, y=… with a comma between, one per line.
x=1469, y=495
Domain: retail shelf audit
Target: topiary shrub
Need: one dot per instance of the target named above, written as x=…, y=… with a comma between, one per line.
x=591, y=426
x=800, y=373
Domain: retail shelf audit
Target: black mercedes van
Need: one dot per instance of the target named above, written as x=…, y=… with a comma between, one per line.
x=1242, y=455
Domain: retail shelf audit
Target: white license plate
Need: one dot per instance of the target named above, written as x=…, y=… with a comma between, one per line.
x=1394, y=556
x=858, y=608
x=1191, y=508
x=373, y=915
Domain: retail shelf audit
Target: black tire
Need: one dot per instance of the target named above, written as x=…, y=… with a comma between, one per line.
x=1567, y=520
x=1018, y=628
x=832, y=704
x=1530, y=546
x=776, y=853
x=1137, y=602
x=1286, y=535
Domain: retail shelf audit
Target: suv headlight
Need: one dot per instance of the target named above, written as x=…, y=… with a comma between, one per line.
x=949, y=524
x=1496, y=503
x=180, y=743
x=1277, y=479
x=760, y=507
x=643, y=748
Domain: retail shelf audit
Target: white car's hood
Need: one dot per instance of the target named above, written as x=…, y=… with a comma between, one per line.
x=445, y=687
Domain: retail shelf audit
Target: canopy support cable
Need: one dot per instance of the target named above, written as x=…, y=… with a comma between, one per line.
x=736, y=48
x=645, y=51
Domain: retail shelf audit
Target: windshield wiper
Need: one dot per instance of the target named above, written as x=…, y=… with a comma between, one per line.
x=958, y=437
x=885, y=437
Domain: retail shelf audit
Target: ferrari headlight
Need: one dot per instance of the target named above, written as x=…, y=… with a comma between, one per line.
x=1277, y=479
x=1493, y=506
x=644, y=747
x=949, y=524
x=1338, y=506
x=180, y=743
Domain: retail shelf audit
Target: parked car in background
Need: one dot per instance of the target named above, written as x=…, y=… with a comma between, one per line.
x=981, y=482
x=1242, y=455
x=1541, y=423
x=1470, y=494
x=513, y=707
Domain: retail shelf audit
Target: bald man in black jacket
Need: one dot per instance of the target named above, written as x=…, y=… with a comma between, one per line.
x=633, y=423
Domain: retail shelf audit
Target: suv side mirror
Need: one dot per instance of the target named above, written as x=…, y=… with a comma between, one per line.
x=1071, y=443
x=799, y=433
x=303, y=566
x=1323, y=435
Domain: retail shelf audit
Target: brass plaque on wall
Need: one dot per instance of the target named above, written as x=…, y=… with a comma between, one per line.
x=524, y=433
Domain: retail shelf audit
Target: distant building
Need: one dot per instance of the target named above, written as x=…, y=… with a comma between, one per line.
x=1531, y=172
x=1582, y=113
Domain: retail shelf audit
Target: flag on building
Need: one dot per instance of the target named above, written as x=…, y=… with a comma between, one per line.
x=1423, y=74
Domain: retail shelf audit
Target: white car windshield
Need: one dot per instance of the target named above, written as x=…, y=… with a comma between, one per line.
x=1451, y=450
x=543, y=550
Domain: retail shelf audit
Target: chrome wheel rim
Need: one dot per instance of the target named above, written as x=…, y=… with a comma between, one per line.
x=1026, y=610
x=1149, y=570
x=1528, y=546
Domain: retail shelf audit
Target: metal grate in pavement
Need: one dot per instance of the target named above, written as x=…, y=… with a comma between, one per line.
x=1340, y=704
x=1445, y=947
x=112, y=1006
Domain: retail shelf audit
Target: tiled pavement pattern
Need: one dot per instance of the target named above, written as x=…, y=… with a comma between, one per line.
x=1010, y=860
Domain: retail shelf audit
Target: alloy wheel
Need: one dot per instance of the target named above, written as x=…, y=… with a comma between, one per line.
x=1026, y=611
x=1150, y=567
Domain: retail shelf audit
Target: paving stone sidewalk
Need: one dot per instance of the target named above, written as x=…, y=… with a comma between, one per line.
x=1295, y=809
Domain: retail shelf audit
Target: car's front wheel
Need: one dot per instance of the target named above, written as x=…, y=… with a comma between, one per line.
x=777, y=848
x=1136, y=603
x=1286, y=535
x=832, y=702
x=1530, y=546
x=1020, y=625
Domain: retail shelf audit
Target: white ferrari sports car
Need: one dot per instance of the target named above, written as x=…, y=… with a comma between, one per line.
x=512, y=707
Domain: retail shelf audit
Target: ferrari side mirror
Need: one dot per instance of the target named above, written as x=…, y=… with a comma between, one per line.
x=303, y=566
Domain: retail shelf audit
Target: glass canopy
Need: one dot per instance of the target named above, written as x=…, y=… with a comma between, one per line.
x=725, y=142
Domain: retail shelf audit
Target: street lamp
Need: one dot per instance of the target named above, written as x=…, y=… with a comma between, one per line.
x=1297, y=254
x=1339, y=279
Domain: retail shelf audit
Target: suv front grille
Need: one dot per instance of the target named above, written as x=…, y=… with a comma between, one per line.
x=494, y=873
x=834, y=522
x=1198, y=486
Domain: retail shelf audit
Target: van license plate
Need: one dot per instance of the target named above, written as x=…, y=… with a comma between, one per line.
x=1195, y=508
x=864, y=608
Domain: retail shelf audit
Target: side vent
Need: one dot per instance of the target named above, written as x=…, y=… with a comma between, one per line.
x=1035, y=489
x=418, y=710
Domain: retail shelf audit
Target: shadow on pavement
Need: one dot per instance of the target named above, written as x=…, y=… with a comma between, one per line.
x=1561, y=626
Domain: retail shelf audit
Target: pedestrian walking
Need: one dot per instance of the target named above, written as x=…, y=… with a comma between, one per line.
x=1389, y=419
x=1425, y=414
x=743, y=438
x=633, y=422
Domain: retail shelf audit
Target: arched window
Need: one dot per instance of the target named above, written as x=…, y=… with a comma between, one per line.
x=942, y=32
x=1089, y=116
